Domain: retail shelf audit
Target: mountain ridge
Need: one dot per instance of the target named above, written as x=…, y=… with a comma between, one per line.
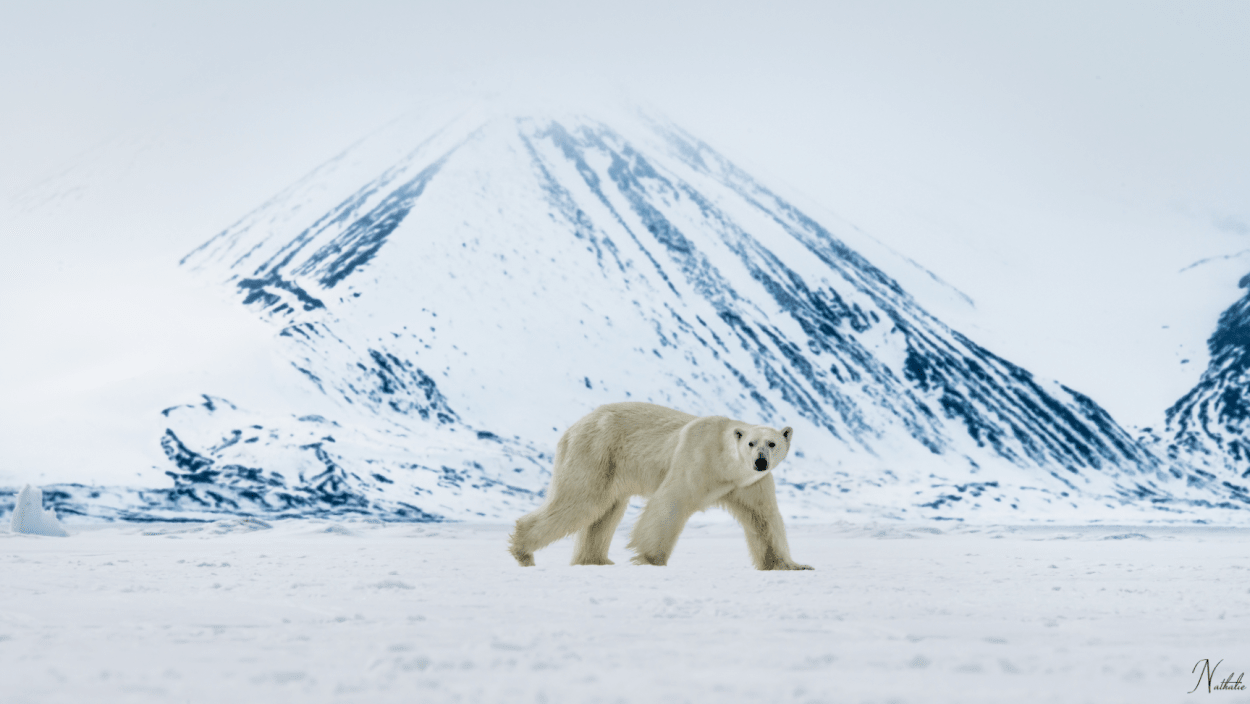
x=521, y=270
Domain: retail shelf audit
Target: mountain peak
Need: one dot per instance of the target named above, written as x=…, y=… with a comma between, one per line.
x=499, y=274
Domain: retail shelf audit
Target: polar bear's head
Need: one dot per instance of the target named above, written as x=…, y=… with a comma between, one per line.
x=762, y=448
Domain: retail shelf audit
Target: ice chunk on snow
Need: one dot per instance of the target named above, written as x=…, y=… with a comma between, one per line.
x=29, y=516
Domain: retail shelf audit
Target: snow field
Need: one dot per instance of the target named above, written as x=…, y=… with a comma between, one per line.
x=317, y=611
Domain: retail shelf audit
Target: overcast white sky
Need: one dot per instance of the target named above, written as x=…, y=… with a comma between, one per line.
x=1139, y=92
x=1058, y=162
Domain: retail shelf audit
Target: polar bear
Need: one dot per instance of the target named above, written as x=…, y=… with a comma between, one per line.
x=682, y=463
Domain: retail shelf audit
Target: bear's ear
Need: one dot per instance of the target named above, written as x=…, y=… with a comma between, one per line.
x=738, y=434
x=787, y=433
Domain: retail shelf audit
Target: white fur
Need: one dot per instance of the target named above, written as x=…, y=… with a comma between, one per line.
x=682, y=463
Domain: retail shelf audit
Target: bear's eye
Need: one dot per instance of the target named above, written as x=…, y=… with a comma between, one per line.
x=772, y=444
x=750, y=444
x=738, y=433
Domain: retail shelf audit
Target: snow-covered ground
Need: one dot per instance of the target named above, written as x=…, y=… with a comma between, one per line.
x=314, y=611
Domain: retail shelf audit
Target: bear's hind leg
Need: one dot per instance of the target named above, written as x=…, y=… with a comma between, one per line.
x=555, y=520
x=519, y=542
x=593, y=541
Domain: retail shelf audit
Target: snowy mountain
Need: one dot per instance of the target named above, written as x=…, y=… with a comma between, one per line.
x=463, y=289
x=1207, y=427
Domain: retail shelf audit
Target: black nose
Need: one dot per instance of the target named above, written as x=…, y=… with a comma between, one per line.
x=761, y=464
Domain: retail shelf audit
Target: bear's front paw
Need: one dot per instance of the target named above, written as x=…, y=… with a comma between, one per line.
x=789, y=566
x=649, y=560
x=594, y=561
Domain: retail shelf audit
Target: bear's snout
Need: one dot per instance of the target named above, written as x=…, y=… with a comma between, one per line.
x=761, y=464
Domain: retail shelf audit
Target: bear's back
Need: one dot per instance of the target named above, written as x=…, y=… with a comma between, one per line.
x=639, y=414
x=633, y=441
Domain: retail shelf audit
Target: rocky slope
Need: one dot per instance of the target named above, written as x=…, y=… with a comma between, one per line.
x=1207, y=427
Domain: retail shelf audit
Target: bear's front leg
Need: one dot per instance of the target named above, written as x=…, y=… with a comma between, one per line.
x=755, y=507
x=656, y=532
